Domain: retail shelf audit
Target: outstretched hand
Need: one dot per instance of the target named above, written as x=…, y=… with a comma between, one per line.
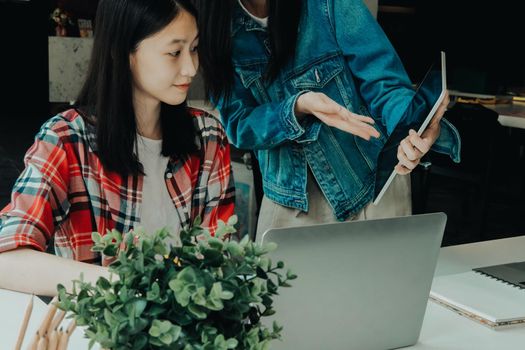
x=333, y=114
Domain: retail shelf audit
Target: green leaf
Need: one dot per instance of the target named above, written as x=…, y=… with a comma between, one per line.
x=154, y=293
x=290, y=275
x=164, y=326
x=103, y=283
x=109, y=318
x=270, y=246
x=154, y=331
x=231, y=343
x=166, y=339
x=197, y=311
x=140, y=305
x=110, y=299
x=110, y=250
x=268, y=312
x=261, y=273
x=197, y=221
x=216, y=243
x=140, y=342
x=199, y=298
x=187, y=275
x=232, y=220
x=234, y=249
x=96, y=237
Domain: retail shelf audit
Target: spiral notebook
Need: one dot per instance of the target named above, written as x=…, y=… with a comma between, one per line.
x=493, y=296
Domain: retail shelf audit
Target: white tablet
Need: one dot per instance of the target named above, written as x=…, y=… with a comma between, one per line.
x=429, y=94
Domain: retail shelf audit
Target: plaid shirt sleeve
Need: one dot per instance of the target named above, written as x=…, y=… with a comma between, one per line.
x=39, y=199
x=219, y=183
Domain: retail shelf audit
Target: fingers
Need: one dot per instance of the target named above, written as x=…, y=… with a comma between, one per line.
x=422, y=145
x=351, y=125
x=409, y=151
x=408, y=155
x=333, y=114
x=404, y=161
x=329, y=106
x=347, y=115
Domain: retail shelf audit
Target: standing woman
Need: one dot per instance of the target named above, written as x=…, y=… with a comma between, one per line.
x=314, y=87
x=130, y=154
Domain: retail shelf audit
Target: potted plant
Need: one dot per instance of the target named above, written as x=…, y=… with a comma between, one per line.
x=204, y=293
x=62, y=20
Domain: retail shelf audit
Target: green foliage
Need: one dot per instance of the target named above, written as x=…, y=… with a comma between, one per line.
x=205, y=293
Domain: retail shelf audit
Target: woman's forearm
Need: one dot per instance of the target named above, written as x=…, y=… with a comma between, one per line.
x=30, y=271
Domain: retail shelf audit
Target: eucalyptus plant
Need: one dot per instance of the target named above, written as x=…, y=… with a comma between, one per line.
x=204, y=293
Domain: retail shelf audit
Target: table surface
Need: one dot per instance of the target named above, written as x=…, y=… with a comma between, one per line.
x=13, y=306
x=442, y=328
x=511, y=115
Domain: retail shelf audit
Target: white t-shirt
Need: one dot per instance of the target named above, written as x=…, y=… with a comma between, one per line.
x=262, y=21
x=157, y=209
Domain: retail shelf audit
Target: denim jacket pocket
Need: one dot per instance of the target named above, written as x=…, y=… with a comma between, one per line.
x=317, y=75
x=252, y=78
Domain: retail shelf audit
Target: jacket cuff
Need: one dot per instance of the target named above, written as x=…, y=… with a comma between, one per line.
x=449, y=141
x=304, y=129
x=289, y=120
x=312, y=127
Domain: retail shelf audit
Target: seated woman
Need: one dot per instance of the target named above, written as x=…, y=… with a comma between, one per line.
x=129, y=154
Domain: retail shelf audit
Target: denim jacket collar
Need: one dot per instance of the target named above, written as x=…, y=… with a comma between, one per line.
x=241, y=20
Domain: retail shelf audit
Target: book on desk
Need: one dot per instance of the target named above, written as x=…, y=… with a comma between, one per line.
x=493, y=296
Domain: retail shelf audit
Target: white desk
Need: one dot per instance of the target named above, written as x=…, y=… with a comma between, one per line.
x=13, y=306
x=511, y=115
x=442, y=329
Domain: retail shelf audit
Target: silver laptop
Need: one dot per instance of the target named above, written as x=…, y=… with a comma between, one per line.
x=361, y=285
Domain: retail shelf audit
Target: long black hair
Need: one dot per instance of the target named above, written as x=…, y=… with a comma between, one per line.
x=215, y=46
x=106, y=96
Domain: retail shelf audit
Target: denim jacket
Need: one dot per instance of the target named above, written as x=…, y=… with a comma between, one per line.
x=342, y=52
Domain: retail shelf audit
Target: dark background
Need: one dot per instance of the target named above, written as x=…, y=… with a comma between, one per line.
x=484, y=196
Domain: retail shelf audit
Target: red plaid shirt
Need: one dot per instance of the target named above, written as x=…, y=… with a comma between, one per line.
x=65, y=191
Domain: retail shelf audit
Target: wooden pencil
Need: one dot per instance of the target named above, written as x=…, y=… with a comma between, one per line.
x=42, y=344
x=64, y=340
x=25, y=322
x=52, y=308
x=71, y=327
x=53, y=340
x=34, y=343
x=56, y=321
x=59, y=335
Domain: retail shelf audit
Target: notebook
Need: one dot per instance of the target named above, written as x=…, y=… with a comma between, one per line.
x=430, y=92
x=493, y=296
x=361, y=285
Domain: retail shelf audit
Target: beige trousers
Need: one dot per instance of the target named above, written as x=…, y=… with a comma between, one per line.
x=395, y=202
